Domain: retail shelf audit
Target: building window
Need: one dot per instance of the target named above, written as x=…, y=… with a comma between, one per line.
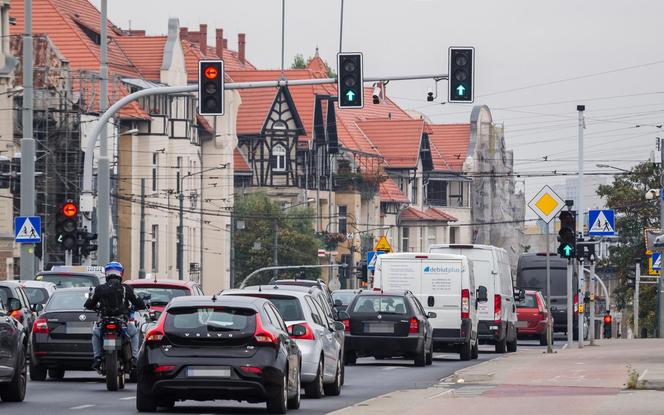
x=278, y=158
x=155, y=169
x=343, y=221
x=431, y=236
x=155, y=248
x=458, y=194
x=405, y=240
x=437, y=193
x=454, y=235
x=413, y=187
x=422, y=231
x=178, y=174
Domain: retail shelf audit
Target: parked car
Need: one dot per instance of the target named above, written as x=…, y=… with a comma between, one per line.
x=532, y=316
x=67, y=279
x=38, y=293
x=322, y=354
x=62, y=336
x=13, y=352
x=389, y=324
x=342, y=298
x=220, y=347
x=445, y=285
x=497, y=316
x=25, y=314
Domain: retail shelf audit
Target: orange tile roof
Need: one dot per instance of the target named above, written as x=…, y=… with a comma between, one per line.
x=390, y=192
x=452, y=141
x=413, y=214
x=146, y=53
x=193, y=53
x=440, y=215
x=397, y=140
x=240, y=164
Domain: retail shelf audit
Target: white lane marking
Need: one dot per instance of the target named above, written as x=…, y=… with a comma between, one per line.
x=127, y=398
x=81, y=407
x=564, y=347
x=640, y=378
x=445, y=392
x=394, y=367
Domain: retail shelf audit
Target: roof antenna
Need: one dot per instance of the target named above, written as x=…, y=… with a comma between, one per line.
x=214, y=297
x=260, y=290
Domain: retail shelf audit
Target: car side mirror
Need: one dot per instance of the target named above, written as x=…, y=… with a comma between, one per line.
x=343, y=315
x=338, y=303
x=297, y=330
x=338, y=326
x=519, y=295
x=13, y=305
x=482, y=294
x=37, y=308
x=431, y=314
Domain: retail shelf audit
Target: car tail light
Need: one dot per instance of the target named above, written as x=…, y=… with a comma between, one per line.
x=497, y=307
x=40, y=326
x=576, y=303
x=111, y=326
x=377, y=289
x=17, y=314
x=465, y=303
x=251, y=370
x=414, y=326
x=308, y=335
x=261, y=335
x=346, y=326
x=163, y=368
x=156, y=334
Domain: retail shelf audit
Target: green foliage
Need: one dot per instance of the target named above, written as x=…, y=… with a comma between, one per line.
x=633, y=213
x=297, y=242
x=299, y=62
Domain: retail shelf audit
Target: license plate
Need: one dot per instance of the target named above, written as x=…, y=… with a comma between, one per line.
x=111, y=344
x=78, y=328
x=221, y=372
x=380, y=328
x=521, y=324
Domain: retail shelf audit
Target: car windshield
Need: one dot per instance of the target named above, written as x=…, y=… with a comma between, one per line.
x=36, y=295
x=161, y=295
x=5, y=294
x=346, y=297
x=69, y=280
x=67, y=300
x=384, y=304
x=192, y=320
x=536, y=278
x=529, y=301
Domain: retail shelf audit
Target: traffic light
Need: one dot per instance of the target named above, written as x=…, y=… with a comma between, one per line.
x=211, y=87
x=350, y=80
x=631, y=281
x=364, y=272
x=461, y=74
x=567, y=234
x=607, y=325
x=86, y=243
x=67, y=225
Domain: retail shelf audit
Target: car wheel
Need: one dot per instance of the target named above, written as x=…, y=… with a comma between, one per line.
x=314, y=390
x=350, y=358
x=277, y=404
x=145, y=403
x=294, y=402
x=14, y=391
x=476, y=351
x=429, y=358
x=334, y=388
x=168, y=404
x=343, y=371
x=421, y=358
x=56, y=373
x=37, y=373
x=511, y=346
x=465, y=352
x=501, y=346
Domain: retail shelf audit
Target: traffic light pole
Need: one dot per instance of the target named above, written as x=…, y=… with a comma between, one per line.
x=104, y=171
x=570, y=303
x=637, y=273
x=591, y=288
x=579, y=313
x=660, y=282
x=549, y=320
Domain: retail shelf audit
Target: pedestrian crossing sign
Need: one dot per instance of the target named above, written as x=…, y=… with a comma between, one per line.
x=27, y=229
x=655, y=263
x=602, y=222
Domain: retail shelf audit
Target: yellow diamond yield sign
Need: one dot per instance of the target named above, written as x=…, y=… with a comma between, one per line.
x=546, y=204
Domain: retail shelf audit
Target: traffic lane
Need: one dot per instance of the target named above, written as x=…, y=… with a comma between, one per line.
x=85, y=392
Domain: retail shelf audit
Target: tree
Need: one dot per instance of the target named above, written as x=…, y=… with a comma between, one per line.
x=300, y=63
x=626, y=195
x=297, y=241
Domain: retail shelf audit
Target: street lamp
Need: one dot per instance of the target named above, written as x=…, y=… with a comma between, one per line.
x=180, y=258
x=606, y=166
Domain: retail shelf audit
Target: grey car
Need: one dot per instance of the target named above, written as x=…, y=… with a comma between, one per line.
x=322, y=353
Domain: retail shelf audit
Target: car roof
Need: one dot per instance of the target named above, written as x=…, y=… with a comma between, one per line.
x=348, y=290
x=163, y=282
x=70, y=290
x=217, y=300
x=300, y=282
x=87, y=274
x=269, y=289
x=37, y=284
x=300, y=288
x=381, y=293
x=12, y=283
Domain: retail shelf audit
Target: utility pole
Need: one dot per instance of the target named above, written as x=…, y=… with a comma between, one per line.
x=275, y=248
x=141, y=249
x=180, y=255
x=580, y=212
x=103, y=174
x=549, y=320
x=660, y=282
x=637, y=282
x=579, y=292
x=591, y=288
x=27, y=145
x=570, y=303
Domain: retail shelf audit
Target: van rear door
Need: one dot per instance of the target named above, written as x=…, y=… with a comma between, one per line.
x=399, y=274
x=441, y=291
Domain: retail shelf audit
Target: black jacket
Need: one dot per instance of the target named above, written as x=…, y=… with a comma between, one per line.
x=113, y=299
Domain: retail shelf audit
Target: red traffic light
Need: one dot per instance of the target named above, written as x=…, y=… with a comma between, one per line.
x=70, y=209
x=211, y=72
x=607, y=319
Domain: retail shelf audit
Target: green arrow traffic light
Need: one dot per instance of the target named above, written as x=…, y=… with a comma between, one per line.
x=568, y=250
x=350, y=95
x=460, y=90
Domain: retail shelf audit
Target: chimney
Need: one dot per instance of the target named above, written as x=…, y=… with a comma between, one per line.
x=203, y=38
x=219, y=43
x=184, y=33
x=241, y=42
x=225, y=43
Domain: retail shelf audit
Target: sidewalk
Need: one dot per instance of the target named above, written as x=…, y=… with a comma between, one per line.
x=592, y=380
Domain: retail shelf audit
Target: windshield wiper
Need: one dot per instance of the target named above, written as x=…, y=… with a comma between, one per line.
x=214, y=327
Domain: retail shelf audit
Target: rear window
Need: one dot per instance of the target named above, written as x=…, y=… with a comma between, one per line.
x=346, y=297
x=201, y=321
x=161, y=295
x=289, y=307
x=67, y=301
x=529, y=301
x=69, y=280
x=36, y=295
x=384, y=304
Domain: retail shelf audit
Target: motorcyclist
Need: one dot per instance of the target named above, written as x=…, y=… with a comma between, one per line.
x=113, y=299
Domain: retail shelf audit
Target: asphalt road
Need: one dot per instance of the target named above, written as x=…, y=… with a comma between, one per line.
x=85, y=392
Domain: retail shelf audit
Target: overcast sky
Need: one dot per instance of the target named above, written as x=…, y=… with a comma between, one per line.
x=523, y=48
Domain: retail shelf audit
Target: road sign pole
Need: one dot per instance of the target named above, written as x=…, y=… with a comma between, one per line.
x=579, y=201
x=591, y=288
x=637, y=273
x=660, y=285
x=570, y=304
x=579, y=312
x=549, y=320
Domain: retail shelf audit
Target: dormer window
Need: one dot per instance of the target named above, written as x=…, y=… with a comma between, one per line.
x=94, y=36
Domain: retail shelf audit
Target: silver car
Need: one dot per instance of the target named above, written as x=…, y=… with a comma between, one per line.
x=322, y=353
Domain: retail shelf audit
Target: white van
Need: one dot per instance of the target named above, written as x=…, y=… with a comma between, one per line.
x=444, y=285
x=492, y=269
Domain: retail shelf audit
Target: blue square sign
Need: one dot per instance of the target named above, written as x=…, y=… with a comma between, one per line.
x=602, y=222
x=656, y=261
x=27, y=229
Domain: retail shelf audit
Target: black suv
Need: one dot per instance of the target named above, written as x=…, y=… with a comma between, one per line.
x=13, y=352
x=388, y=324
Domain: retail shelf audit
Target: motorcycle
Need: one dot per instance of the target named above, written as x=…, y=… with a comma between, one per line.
x=116, y=359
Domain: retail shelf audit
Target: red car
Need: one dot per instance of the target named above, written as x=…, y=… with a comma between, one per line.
x=532, y=314
x=163, y=291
